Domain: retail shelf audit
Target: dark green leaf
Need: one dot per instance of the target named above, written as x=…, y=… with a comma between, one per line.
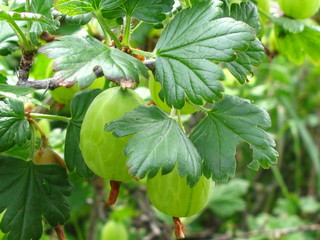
x=14, y=128
x=229, y=122
x=246, y=12
x=252, y=56
x=81, y=19
x=151, y=11
x=158, y=143
x=72, y=154
x=38, y=190
x=298, y=46
x=42, y=7
x=8, y=39
x=77, y=7
x=18, y=94
x=77, y=57
x=192, y=37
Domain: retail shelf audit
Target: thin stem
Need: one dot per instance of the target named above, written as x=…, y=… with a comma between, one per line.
x=180, y=121
x=127, y=29
x=188, y=3
x=264, y=13
x=198, y=107
x=137, y=27
x=44, y=139
x=173, y=112
x=142, y=53
x=106, y=29
x=21, y=35
x=47, y=116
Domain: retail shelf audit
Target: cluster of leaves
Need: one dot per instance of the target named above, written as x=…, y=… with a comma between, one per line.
x=189, y=58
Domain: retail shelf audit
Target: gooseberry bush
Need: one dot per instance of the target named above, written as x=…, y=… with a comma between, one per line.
x=112, y=131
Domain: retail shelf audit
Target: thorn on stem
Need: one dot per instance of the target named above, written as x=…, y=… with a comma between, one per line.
x=178, y=228
x=115, y=187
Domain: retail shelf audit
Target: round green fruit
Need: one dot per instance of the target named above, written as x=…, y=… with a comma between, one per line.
x=64, y=95
x=155, y=88
x=102, y=152
x=113, y=230
x=299, y=9
x=171, y=195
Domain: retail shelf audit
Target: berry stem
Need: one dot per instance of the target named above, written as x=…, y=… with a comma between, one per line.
x=115, y=187
x=60, y=232
x=178, y=228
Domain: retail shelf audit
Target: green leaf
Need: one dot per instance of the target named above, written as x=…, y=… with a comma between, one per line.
x=229, y=122
x=252, y=56
x=14, y=128
x=27, y=16
x=72, y=154
x=81, y=19
x=77, y=57
x=29, y=191
x=228, y=198
x=187, y=44
x=77, y=7
x=288, y=24
x=151, y=11
x=158, y=143
x=298, y=46
x=8, y=39
x=42, y=7
x=18, y=94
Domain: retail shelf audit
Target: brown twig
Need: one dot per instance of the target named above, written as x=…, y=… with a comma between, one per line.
x=60, y=232
x=25, y=65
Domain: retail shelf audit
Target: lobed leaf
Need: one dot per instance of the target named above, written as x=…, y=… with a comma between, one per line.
x=76, y=57
x=151, y=11
x=8, y=39
x=72, y=154
x=14, y=128
x=158, y=143
x=231, y=121
x=252, y=56
x=192, y=38
x=39, y=190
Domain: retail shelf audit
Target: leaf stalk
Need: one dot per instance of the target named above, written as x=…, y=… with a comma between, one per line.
x=50, y=117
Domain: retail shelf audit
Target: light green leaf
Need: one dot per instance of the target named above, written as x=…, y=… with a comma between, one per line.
x=231, y=121
x=76, y=57
x=14, y=128
x=26, y=16
x=228, y=198
x=299, y=46
x=39, y=190
x=151, y=11
x=158, y=143
x=76, y=7
x=188, y=42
